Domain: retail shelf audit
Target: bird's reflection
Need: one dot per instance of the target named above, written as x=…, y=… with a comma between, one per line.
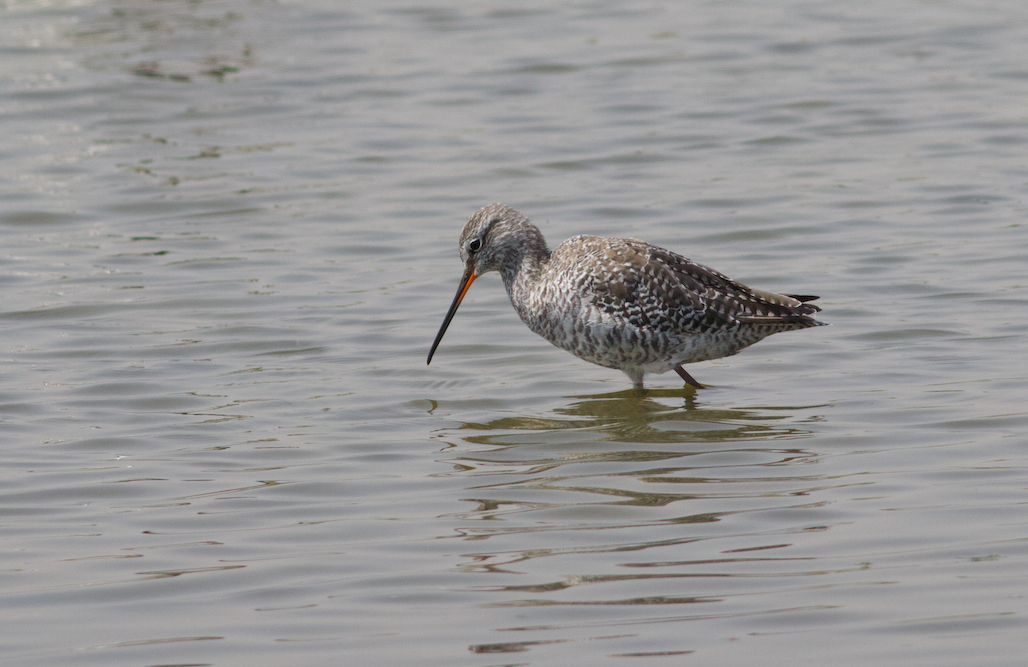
x=637, y=448
x=643, y=417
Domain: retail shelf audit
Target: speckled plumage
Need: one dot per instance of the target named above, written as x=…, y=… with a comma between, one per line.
x=620, y=303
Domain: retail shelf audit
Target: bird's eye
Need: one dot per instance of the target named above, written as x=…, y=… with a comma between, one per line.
x=475, y=245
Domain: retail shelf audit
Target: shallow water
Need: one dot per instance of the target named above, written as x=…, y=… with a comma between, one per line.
x=229, y=236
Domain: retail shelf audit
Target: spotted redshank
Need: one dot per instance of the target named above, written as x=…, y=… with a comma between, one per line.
x=620, y=303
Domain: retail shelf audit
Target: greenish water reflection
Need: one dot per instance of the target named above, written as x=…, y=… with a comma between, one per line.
x=650, y=449
x=651, y=417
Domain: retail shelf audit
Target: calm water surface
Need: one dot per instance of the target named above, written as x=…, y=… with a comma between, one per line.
x=227, y=238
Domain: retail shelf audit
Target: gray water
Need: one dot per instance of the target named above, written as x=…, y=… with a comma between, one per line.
x=228, y=236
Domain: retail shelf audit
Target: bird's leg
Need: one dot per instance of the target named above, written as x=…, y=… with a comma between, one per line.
x=682, y=373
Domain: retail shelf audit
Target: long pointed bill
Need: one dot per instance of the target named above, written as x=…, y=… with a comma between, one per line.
x=462, y=289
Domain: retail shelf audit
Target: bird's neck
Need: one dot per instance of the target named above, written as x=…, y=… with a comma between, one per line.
x=524, y=266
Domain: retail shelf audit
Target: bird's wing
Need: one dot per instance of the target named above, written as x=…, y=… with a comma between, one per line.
x=655, y=288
